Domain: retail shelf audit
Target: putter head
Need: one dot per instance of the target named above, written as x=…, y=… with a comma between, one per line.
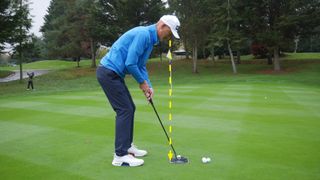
x=179, y=160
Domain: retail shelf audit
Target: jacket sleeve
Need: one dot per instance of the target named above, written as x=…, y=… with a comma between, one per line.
x=135, y=50
x=144, y=73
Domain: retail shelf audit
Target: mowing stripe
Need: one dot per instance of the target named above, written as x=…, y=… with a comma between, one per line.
x=59, y=108
x=8, y=131
x=57, y=148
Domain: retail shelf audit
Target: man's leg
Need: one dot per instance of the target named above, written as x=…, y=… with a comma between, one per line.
x=134, y=108
x=121, y=101
x=133, y=149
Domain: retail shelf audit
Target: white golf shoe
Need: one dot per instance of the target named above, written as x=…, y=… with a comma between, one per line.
x=137, y=152
x=127, y=160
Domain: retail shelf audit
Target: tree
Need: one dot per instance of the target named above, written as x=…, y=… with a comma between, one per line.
x=110, y=18
x=195, y=18
x=120, y=16
x=94, y=31
x=126, y=14
x=51, y=29
x=39, y=50
x=32, y=49
x=14, y=14
x=310, y=42
x=75, y=28
x=7, y=23
x=276, y=23
x=63, y=30
x=18, y=22
x=227, y=28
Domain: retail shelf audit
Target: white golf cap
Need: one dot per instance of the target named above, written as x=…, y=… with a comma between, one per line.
x=173, y=22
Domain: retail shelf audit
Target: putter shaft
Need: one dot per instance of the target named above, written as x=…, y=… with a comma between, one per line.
x=174, y=151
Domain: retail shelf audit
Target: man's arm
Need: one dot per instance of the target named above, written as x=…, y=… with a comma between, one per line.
x=135, y=50
x=145, y=75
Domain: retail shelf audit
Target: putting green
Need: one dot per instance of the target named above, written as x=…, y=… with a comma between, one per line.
x=250, y=130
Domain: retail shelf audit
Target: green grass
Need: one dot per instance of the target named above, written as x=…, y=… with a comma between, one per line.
x=303, y=56
x=290, y=56
x=247, y=57
x=49, y=64
x=4, y=73
x=57, y=64
x=254, y=125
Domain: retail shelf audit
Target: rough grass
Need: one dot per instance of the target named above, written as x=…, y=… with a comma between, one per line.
x=302, y=56
x=83, y=78
x=290, y=56
x=49, y=64
x=5, y=73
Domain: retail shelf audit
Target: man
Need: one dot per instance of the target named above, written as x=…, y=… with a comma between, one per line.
x=129, y=55
x=30, y=82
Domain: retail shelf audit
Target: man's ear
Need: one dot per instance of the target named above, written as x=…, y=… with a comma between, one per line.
x=162, y=26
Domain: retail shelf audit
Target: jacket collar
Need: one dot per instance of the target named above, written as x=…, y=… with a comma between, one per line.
x=153, y=34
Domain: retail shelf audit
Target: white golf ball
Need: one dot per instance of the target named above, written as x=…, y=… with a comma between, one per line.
x=204, y=160
x=208, y=159
x=178, y=156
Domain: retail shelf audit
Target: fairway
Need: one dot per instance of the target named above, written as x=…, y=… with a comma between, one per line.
x=251, y=130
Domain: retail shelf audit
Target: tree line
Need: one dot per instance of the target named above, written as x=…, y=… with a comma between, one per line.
x=76, y=28
x=272, y=25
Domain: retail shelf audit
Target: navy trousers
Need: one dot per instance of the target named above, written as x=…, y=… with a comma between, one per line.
x=121, y=101
x=30, y=83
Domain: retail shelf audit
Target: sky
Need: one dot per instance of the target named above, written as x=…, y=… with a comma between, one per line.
x=38, y=9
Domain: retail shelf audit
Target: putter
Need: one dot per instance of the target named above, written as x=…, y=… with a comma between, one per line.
x=177, y=159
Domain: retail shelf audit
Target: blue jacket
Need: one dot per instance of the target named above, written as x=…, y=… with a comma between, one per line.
x=130, y=53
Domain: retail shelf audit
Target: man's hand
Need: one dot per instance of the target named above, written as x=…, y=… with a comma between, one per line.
x=150, y=95
x=148, y=92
